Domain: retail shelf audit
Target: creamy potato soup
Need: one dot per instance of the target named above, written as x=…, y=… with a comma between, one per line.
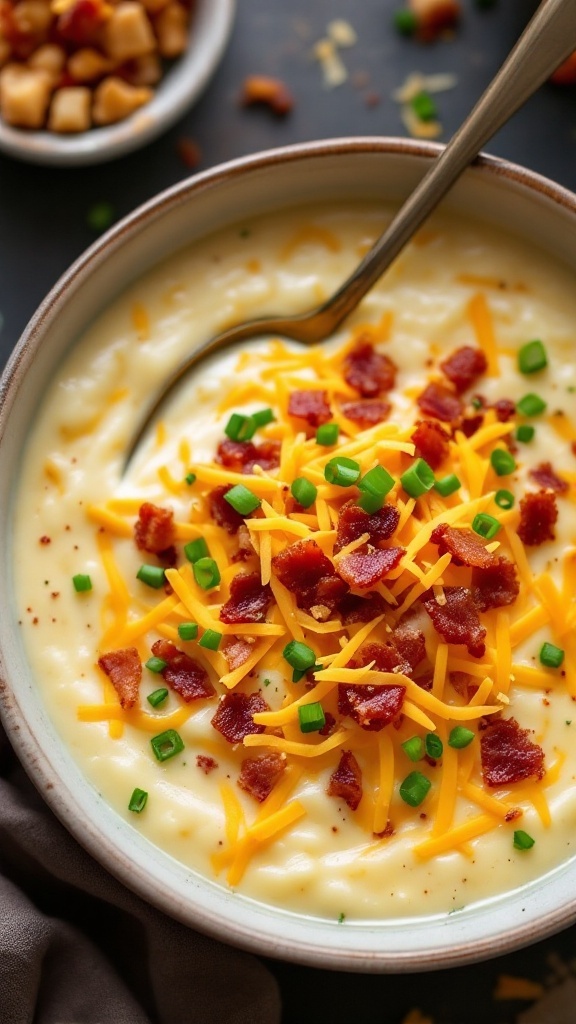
x=318, y=643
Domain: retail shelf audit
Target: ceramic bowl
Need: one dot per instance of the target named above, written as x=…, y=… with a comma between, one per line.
x=498, y=193
x=178, y=90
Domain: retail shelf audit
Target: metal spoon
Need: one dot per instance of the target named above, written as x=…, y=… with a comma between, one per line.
x=549, y=38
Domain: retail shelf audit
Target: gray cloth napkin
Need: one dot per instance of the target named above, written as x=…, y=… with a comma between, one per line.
x=77, y=947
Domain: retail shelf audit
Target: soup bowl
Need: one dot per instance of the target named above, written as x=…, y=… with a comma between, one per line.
x=541, y=217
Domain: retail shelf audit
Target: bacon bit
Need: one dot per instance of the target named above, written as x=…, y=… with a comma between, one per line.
x=365, y=569
x=81, y=22
x=369, y=371
x=154, y=530
x=410, y=643
x=356, y=608
x=249, y=599
x=223, y=513
x=545, y=477
x=366, y=412
x=346, y=780
x=183, y=674
x=513, y=814
x=311, y=406
x=207, y=764
x=236, y=650
x=495, y=586
x=470, y=424
x=259, y=774
x=45, y=539
x=124, y=670
x=538, y=513
x=245, y=548
x=457, y=619
x=504, y=408
x=266, y=91
x=329, y=724
x=431, y=442
x=386, y=658
x=508, y=754
x=440, y=403
x=353, y=521
x=464, y=684
x=464, y=546
x=305, y=571
x=372, y=707
x=463, y=367
x=234, y=720
x=434, y=17
x=242, y=456
x=189, y=152
x=566, y=73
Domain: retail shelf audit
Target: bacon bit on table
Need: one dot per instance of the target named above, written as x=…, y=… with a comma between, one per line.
x=495, y=586
x=366, y=412
x=154, y=530
x=464, y=366
x=545, y=477
x=236, y=650
x=266, y=91
x=307, y=572
x=189, y=152
x=464, y=546
x=434, y=17
x=346, y=780
x=431, y=442
x=311, y=406
x=182, y=673
x=124, y=670
x=440, y=403
x=353, y=522
x=538, y=514
x=457, y=619
x=508, y=754
x=368, y=371
x=242, y=456
x=249, y=600
x=222, y=512
x=365, y=569
x=234, y=720
x=259, y=774
x=206, y=763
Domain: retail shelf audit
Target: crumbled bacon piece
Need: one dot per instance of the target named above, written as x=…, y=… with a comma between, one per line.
x=307, y=572
x=538, y=514
x=410, y=643
x=234, y=720
x=435, y=17
x=504, y=409
x=311, y=406
x=81, y=22
x=236, y=650
x=386, y=657
x=363, y=570
x=346, y=780
x=182, y=673
x=124, y=670
x=464, y=684
x=464, y=545
x=368, y=371
x=366, y=412
x=495, y=586
x=470, y=424
x=353, y=521
x=206, y=763
x=259, y=774
x=242, y=456
x=457, y=619
x=154, y=529
x=356, y=608
x=245, y=547
x=249, y=600
x=463, y=367
x=329, y=724
x=545, y=477
x=371, y=706
x=223, y=513
x=440, y=403
x=431, y=442
x=267, y=91
x=508, y=754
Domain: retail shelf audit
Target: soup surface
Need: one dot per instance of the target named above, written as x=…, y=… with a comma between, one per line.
x=318, y=643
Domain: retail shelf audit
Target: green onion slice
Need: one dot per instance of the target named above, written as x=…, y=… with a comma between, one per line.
x=341, y=471
x=151, y=575
x=138, y=801
x=311, y=717
x=415, y=789
x=377, y=481
x=418, y=479
x=303, y=491
x=242, y=499
x=502, y=462
x=299, y=655
x=370, y=503
x=327, y=434
x=531, y=405
x=206, y=573
x=434, y=745
x=413, y=748
x=522, y=841
x=167, y=744
x=525, y=433
x=210, y=639
x=447, y=485
x=485, y=526
x=504, y=499
x=460, y=737
x=190, y=478
x=188, y=630
x=157, y=697
x=551, y=656
x=81, y=583
x=532, y=357
x=196, y=549
x=156, y=664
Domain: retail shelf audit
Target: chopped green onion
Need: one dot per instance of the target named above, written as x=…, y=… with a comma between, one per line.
x=299, y=674
x=522, y=841
x=210, y=639
x=415, y=788
x=551, y=656
x=190, y=479
x=266, y=682
x=504, y=499
x=418, y=479
x=188, y=630
x=477, y=403
x=405, y=21
x=485, y=526
x=327, y=434
x=531, y=405
x=370, y=503
x=234, y=426
x=311, y=717
x=434, y=745
x=156, y=664
x=138, y=801
x=157, y=697
x=206, y=573
x=460, y=737
x=196, y=549
x=151, y=575
x=447, y=485
x=502, y=462
x=167, y=744
x=242, y=500
x=424, y=106
x=377, y=482
x=303, y=491
x=341, y=471
x=299, y=655
x=525, y=433
x=82, y=583
x=413, y=748
x=262, y=417
x=532, y=357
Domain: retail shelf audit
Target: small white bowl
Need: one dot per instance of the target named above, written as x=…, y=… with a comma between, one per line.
x=176, y=92
x=386, y=170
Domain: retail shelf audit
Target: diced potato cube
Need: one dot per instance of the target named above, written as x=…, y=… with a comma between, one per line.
x=115, y=99
x=50, y=57
x=32, y=17
x=146, y=70
x=70, y=109
x=172, y=30
x=128, y=32
x=87, y=65
x=24, y=95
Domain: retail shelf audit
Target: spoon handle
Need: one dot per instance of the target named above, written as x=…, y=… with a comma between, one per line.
x=548, y=40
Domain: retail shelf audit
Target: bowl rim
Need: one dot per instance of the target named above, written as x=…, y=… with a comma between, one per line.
x=293, y=937
x=178, y=89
